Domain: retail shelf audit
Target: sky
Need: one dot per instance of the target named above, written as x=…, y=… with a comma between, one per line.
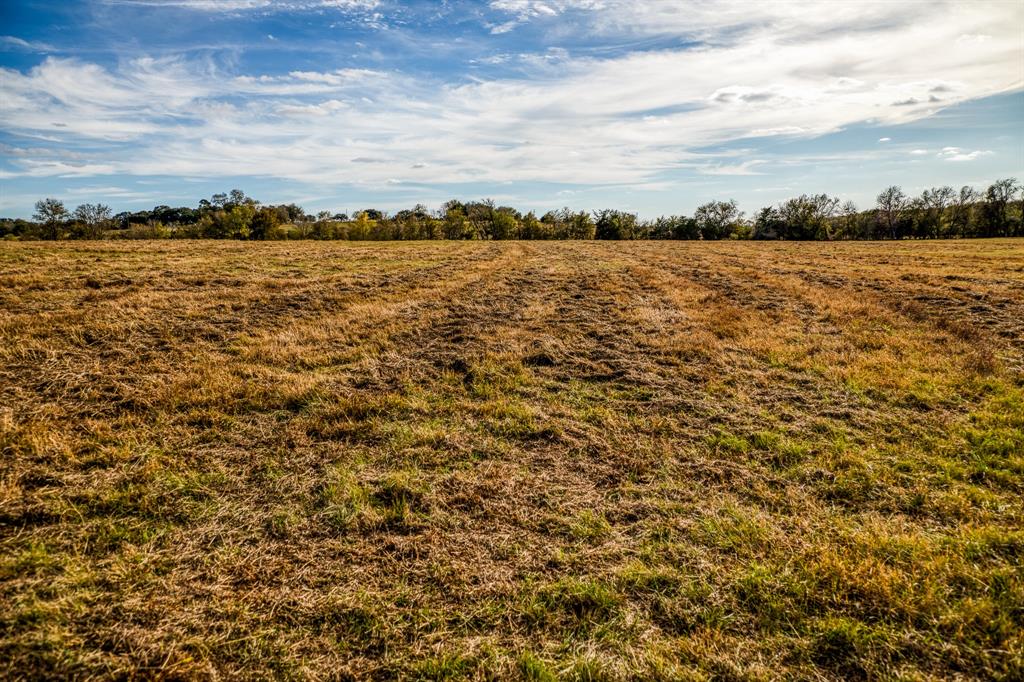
x=652, y=106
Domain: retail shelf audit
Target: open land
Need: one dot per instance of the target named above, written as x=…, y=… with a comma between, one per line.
x=631, y=460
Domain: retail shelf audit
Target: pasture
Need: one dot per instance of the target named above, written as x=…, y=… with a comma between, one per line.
x=544, y=460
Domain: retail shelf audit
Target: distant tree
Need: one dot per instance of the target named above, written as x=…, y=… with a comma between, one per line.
x=682, y=227
x=530, y=227
x=413, y=217
x=849, y=223
x=433, y=228
x=121, y=220
x=407, y=224
x=768, y=223
x=579, y=225
x=456, y=224
x=235, y=223
x=807, y=217
x=892, y=203
x=175, y=216
x=672, y=227
x=612, y=224
x=292, y=213
x=209, y=226
x=719, y=220
x=92, y=220
x=742, y=229
x=937, y=212
x=961, y=209
x=661, y=228
x=934, y=203
x=480, y=216
x=327, y=229
x=1019, y=232
x=362, y=227
x=568, y=224
x=998, y=198
x=504, y=225
x=52, y=214
x=17, y=228
x=452, y=205
x=264, y=223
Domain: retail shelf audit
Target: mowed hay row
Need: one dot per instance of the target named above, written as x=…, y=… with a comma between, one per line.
x=566, y=460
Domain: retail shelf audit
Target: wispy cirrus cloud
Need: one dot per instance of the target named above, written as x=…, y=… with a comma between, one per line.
x=743, y=168
x=957, y=154
x=243, y=5
x=16, y=43
x=522, y=11
x=718, y=21
x=780, y=70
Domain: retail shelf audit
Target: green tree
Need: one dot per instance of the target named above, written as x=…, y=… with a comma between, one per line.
x=892, y=205
x=768, y=224
x=719, y=220
x=961, y=212
x=579, y=225
x=933, y=204
x=52, y=214
x=530, y=227
x=456, y=224
x=612, y=224
x=849, y=223
x=265, y=223
x=995, y=210
x=362, y=227
x=807, y=217
x=92, y=220
x=504, y=225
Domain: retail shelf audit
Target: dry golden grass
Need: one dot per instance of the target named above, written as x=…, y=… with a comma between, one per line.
x=512, y=460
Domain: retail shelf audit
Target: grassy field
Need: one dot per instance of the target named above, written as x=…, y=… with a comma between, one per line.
x=542, y=461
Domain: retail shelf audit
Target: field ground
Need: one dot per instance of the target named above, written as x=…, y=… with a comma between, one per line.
x=587, y=461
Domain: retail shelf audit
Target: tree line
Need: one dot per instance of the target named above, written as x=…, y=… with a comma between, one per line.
x=939, y=212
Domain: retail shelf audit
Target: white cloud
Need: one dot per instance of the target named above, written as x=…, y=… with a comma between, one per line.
x=16, y=43
x=108, y=191
x=885, y=139
x=958, y=154
x=973, y=38
x=706, y=19
x=525, y=10
x=321, y=109
x=244, y=5
x=764, y=69
x=744, y=168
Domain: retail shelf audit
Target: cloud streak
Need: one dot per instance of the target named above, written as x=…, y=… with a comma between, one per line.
x=765, y=70
x=253, y=5
x=956, y=154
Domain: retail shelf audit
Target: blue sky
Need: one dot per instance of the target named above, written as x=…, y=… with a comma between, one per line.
x=649, y=105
